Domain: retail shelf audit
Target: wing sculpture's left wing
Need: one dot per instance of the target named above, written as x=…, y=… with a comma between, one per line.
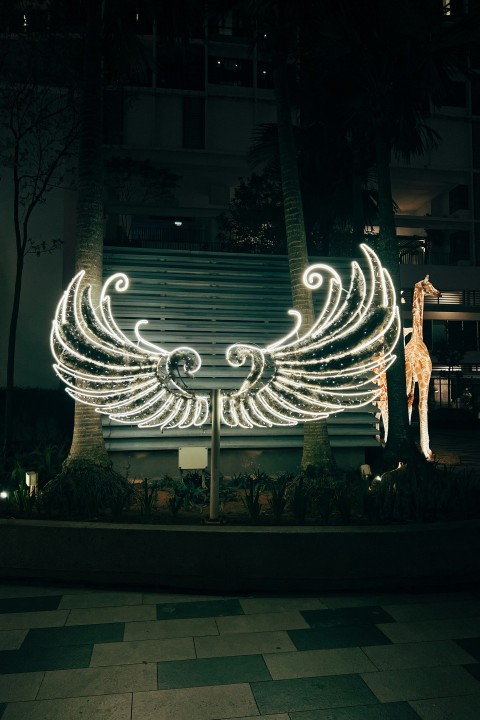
x=330, y=367
x=131, y=382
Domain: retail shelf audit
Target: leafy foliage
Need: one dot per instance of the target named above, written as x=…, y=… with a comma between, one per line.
x=254, y=221
x=83, y=491
x=252, y=484
x=278, y=486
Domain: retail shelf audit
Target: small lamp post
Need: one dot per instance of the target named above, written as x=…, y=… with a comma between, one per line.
x=31, y=480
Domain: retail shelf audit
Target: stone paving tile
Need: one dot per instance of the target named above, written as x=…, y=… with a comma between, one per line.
x=474, y=670
x=29, y=604
x=261, y=622
x=384, y=599
x=12, y=639
x=421, y=683
x=157, y=629
x=470, y=645
x=200, y=703
x=144, y=643
x=384, y=711
x=156, y=598
x=21, y=686
x=131, y=653
x=98, y=681
x=104, y=599
x=99, y=707
x=280, y=604
x=18, y=591
x=434, y=611
x=74, y=635
x=337, y=637
x=212, y=671
x=411, y=655
x=365, y=599
x=368, y=615
x=122, y=613
x=44, y=658
x=243, y=644
x=202, y=608
x=46, y=618
x=464, y=707
x=277, y=716
x=311, y=693
x=427, y=630
x=311, y=663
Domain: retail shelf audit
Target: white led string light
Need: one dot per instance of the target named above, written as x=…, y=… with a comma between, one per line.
x=330, y=367
x=306, y=375
x=103, y=368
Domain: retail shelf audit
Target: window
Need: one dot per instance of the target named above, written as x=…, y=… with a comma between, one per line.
x=455, y=333
x=475, y=88
x=264, y=75
x=182, y=68
x=470, y=334
x=232, y=22
x=459, y=247
x=427, y=333
x=439, y=332
x=193, y=123
x=142, y=17
x=458, y=199
x=455, y=8
x=113, y=117
x=230, y=71
x=454, y=94
x=476, y=146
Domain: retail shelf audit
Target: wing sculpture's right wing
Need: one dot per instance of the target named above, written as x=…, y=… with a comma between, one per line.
x=330, y=367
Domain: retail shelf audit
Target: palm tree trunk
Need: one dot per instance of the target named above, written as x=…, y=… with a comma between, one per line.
x=87, y=442
x=358, y=214
x=316, y=444
x=397, y=447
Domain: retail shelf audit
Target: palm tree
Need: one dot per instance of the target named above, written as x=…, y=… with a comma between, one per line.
x=87, y=444
x=278, y=23
x=391, y=60
x=87, y=483
x=110, y=46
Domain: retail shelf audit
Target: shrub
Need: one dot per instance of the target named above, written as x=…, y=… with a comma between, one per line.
x=277, y=487
x=252, y=485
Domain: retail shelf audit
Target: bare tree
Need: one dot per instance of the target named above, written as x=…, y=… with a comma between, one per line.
x=38, y=128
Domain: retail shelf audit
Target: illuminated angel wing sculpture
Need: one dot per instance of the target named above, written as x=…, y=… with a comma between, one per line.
x=134, y=383
x=303, y=377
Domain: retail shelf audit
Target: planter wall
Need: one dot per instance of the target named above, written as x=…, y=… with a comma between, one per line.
x=240, y=559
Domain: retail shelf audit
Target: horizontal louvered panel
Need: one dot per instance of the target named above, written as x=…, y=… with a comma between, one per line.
x=210, y=301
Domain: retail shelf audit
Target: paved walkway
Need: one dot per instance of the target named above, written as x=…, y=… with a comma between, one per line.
x=83, y=654
x=457, y=446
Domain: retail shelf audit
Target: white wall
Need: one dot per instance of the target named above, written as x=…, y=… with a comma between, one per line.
x=41, y=290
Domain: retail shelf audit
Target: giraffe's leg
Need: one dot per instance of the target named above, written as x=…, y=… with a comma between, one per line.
x=382, y=416
x=385, y=421
x=410, y=383
x=423, y=415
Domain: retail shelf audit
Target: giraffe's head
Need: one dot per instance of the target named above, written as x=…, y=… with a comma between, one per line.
x=427, y=288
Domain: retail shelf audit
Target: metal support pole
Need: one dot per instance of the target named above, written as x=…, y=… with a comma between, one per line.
x=214, y=457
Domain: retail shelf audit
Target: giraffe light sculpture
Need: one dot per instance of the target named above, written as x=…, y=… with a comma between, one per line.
x=418, y=369
x=418, y=364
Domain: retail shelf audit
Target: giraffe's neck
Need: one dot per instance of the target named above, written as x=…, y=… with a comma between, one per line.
x=417, y=314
